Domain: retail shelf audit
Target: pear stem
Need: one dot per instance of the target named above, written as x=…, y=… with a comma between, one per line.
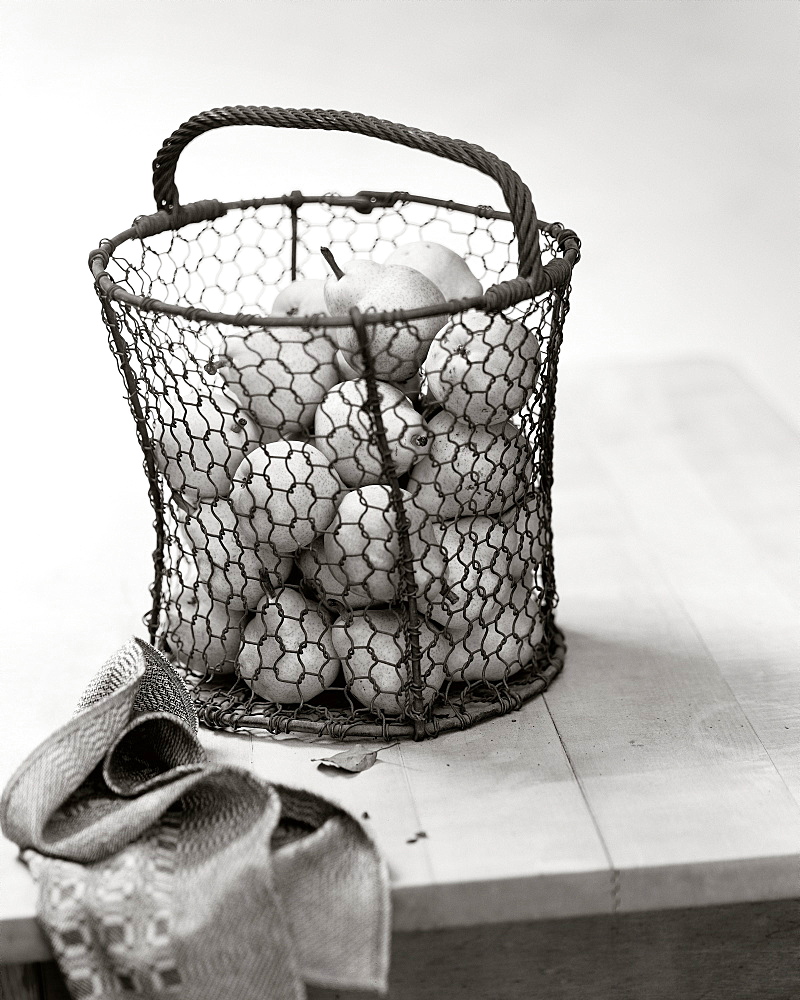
x=330, y=260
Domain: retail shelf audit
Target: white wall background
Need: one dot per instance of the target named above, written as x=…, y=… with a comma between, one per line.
x=665, y=133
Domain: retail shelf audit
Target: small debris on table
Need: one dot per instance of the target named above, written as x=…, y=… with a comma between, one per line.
x=354, y=760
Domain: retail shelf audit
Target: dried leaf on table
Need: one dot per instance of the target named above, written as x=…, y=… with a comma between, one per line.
x=352, y=760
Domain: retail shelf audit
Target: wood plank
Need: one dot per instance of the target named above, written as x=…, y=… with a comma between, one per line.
x=688, y=801
x=678, y=706
x=651, y=697
x=507, y=834
x=694, y=802
x=729, y=583
x=744, y=454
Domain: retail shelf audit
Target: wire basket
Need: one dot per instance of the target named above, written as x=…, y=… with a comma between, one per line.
x=345, y=406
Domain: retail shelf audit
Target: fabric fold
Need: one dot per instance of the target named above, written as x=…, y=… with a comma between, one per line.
x=155, y=748
x=161, y=874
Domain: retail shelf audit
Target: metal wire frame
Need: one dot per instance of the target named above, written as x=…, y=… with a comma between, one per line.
x=553, y=276
x=556, y=274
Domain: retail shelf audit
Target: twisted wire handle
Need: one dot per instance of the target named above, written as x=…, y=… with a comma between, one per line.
x=515, y=191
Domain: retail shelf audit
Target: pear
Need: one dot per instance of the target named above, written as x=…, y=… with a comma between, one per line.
x=317, y=575
x=376, y=662
x=524, y=536
x=344, y=432
x=477, y=572
x=279, y=375
x=362, y=545
x=232, y=564
x=410, y=387
x=441, y=265
x=201, y=633
x=287, y=493
x=347, y=371
x=502, y=648
x=483, y=370
x=287, y=654
x=348, y=283
x=199, y=441
x=470, y=470
x=398, y=349
x=305, y=297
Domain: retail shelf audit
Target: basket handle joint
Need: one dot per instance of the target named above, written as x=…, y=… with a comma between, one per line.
x=379, y=199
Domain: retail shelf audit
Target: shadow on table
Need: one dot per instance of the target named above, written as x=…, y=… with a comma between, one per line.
x=622, y=705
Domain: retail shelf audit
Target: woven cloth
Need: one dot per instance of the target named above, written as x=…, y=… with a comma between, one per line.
x=162, y=875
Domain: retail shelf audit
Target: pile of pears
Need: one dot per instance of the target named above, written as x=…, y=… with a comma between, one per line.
x=291, y=572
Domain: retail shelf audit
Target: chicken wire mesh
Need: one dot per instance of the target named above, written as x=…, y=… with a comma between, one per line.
x=352, y=512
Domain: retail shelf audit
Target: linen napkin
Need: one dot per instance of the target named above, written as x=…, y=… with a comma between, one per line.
x=162, y=875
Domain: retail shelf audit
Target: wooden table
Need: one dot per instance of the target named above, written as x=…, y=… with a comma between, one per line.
x=636, y=831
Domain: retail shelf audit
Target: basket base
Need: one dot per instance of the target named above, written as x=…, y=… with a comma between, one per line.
x=226, y=703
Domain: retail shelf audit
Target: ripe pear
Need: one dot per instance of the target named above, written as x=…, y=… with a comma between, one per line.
x=344, y=432
x=410, y=387
x=362, y=545
x=477, y=572
x=348, y=283
x=305, y=297
x=202, y=634
x=287, y=493
x=233, y=565
x=470, y=470
x=279, y=375
x=287, y=654
x=483, y=369
x=317, y=575
x=398, y=349
x=441, y=265
x=502, y=648
x=199, y=441
x=376, y=662
x=524, y=536
x=347, y=371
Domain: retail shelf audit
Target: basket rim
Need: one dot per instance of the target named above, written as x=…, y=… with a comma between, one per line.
x=556, y=274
